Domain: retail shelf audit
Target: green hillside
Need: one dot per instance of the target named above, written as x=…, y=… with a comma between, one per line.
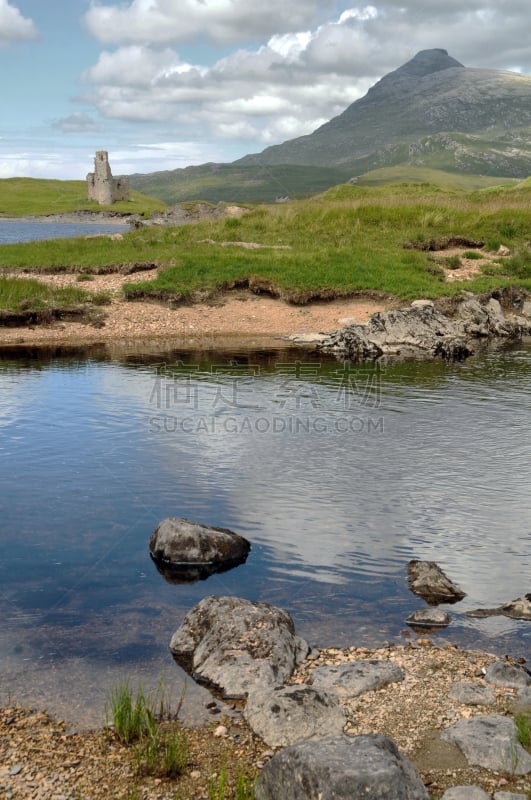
x=250, y=183
x=32, y=196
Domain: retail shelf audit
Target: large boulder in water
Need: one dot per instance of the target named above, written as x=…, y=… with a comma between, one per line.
x=234, y=645
x=426, y=579
x=343, y=768
x=185, y=551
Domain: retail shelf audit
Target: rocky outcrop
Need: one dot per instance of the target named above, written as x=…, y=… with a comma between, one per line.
x=368, y=766
x=285, y=715
x=490, y=742
x=234, y=645
x=423, y=331
x=515, y=609
x=184, y=551
x=427, y=579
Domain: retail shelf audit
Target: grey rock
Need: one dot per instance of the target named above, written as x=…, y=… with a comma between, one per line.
x=429, y=618
x=501, y=673
x=490, y=742
x=185, y=551
x=472, y=694
x=232, y=645
x=427, y=579
x=341, y=768
x=421, y=303
x=510, y=796
x=465, y=793
x=287, y=714
x=515, y=609
x=421, y=330
x=351, y=680
x=526, y=308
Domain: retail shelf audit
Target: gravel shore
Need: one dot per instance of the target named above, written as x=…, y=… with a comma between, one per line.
x=41, y=760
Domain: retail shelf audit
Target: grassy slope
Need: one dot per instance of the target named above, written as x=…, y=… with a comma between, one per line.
x=31, y=196
x=407, y=173
x=253, y=183
x=21, y=294
x=351, y=239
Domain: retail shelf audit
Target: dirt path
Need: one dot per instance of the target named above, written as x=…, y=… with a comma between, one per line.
x=239, y=312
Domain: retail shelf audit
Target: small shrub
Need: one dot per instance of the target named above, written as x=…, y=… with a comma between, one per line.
x=84, y=276
x=131, y=717
x=508, y=231
x=472, y=255
x=452, y=262
x=162, y=752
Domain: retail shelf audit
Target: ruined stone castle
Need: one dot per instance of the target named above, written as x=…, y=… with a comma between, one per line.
x=101, y=186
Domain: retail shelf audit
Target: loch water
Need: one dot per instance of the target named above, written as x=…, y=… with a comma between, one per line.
x=13, y=231
x=337, y=474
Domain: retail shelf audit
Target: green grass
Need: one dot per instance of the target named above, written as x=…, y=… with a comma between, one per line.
x=33, y=196
x=523, y=726
x=351, y=239
x=407, y=173
x=23, y=294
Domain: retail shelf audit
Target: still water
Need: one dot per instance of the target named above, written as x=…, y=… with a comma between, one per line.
x=337, y=475
x=14, y=230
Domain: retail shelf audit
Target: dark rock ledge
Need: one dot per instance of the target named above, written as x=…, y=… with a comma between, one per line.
x=424, y=331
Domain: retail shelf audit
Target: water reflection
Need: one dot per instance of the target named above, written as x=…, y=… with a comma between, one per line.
x=339, y=475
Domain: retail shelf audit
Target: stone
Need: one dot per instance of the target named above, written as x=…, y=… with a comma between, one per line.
x=510, y=796
x=342, y=768
x=526, y=308
x=284, y=715
x=184, y=551
x=515, y=609
x=501, y=673
x=490, y=742
x=427, y=579
x=472, y=694
x=351, y=680
x=421, y=303
x=233, y=645
x=465, y=793
x=428, y=618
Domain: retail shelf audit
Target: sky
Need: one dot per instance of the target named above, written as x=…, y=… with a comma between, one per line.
x=163, y=84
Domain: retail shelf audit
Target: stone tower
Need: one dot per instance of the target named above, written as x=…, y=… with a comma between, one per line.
x=101, y=186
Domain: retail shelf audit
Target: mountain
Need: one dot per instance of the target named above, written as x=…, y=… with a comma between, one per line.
x=431, y=112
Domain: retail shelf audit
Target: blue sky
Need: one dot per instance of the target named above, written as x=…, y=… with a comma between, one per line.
x=163, y=84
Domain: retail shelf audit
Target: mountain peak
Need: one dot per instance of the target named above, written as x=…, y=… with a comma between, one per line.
x=426, y=62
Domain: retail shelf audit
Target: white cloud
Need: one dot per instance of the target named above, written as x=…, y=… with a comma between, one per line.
x=13, y=26
x=77, y=122
x=167, y=21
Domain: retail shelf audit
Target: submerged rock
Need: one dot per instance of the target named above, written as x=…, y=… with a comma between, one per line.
x=432, y=618
x=285, y=715
x=426, y=579
x=515, y=609
x=234, y=645
x=343, y=768
x=186, y=551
